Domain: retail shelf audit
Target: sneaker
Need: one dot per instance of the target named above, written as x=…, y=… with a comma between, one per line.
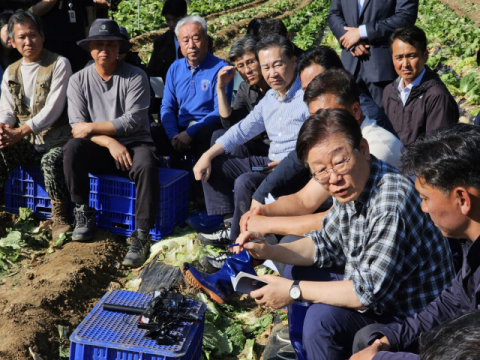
x=284, y=335
x=214, y=263
x=220, y=238
x=138, y=252
x=85, y=223
x=287, y=353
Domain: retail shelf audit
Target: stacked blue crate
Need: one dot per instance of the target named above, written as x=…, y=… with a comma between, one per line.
x=113, y=196
x=108, y=335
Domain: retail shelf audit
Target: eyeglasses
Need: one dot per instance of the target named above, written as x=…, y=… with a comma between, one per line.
x=340, y=168
x=249, y=63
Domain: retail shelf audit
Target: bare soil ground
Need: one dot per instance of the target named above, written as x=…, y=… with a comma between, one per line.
x=59, y=289
x=470, y=8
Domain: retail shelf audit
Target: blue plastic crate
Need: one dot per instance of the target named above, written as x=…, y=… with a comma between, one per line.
x=25, y=187
x=107, y=335
x=114, y=198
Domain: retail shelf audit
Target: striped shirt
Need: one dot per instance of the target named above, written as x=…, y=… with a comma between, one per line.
x=280, y=118
x=396, y=258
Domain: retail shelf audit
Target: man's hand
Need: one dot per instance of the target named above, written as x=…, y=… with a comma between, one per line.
x=82, y=130
x=271, y=166
x=202, y=168
x=121, y=155
x=102, y=3
x=361, y=49
x=259, y=250
x=181, y=142
x=225, y=75
x=10, y=136
x=245, y=217
x=369, y=352
x=276, y=294
x=350, y=38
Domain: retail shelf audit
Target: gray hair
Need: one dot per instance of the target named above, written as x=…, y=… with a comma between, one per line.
x=192, y=19
x=21, y=17
x=242, y=46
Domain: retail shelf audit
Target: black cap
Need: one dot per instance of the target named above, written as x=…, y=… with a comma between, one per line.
x=105, y=29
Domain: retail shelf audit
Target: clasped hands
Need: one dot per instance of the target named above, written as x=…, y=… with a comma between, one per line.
x=352, y=39
x=10, y=136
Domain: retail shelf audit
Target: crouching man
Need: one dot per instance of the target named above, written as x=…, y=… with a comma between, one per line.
x=33, y=117
x=108, y=109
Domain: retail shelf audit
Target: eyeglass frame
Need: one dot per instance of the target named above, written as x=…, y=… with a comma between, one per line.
x=254, y=61
x=332, y=169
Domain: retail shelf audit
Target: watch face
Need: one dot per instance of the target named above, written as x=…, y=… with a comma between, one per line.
x=295, y=293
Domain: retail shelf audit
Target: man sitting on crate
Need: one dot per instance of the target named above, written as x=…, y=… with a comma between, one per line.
x=33, y=118
x=108, y=109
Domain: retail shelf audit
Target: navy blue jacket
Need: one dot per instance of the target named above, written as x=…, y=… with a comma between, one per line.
x=381, y=18
x=462, y=297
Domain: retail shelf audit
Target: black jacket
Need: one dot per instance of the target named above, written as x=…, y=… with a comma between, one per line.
x=163, y=55
x=429, y=107
x=16, y=4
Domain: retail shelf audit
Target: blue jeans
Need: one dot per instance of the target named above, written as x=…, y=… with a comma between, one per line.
x=327, y=331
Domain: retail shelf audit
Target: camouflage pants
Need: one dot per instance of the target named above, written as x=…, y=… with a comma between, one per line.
x=23, y=153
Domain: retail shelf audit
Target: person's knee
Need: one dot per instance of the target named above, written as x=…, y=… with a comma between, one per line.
x=245, y=183
x=73, y=146
x=360, y=341
x=321, y=322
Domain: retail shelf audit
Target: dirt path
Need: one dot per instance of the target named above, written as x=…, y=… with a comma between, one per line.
x=61, y=290
x=144, y=39
x=470, y=8
x=227, y=36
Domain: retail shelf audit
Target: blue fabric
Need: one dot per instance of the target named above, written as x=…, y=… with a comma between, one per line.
x=192, y=97
x=324, y=332
x=477, y=119
x=280, y=118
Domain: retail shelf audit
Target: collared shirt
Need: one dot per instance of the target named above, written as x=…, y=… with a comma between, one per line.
x=462, y=297
x=396, y=258
x=190, y=97
x=362, y=28
x=382, y=143
x=405, y=91
x=280, y=118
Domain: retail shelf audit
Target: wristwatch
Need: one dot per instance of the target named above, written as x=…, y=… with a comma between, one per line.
x=295, y=292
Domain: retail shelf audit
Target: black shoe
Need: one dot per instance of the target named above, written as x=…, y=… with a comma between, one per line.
x=85, y=223
x=287, y=353
x=138, y=252
x=214, y=263
x=220, y=238
x=284, y=335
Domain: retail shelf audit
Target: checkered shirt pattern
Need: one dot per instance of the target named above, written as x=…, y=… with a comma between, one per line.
x=396, y=258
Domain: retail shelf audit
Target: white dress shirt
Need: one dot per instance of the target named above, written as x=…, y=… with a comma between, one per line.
x=405, y=91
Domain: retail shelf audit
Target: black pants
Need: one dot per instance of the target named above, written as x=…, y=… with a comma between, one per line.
x=231, y=186
x=78, y=58
x=200, y=143
x=372, y=89
x=82, y=156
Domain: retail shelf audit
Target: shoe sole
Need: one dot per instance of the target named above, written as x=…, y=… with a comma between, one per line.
x=214, y=243
x=188, y=276
x=82, y=239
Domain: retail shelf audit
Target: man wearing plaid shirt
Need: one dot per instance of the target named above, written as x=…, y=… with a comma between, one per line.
x=377, y=258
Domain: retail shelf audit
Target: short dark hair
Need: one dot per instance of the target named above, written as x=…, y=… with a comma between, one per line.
x=455, y=339
x=23, y=17
x=241, y=46
x=447, y=158
x=176, y=8
x=254, y=26
x=322, y=55
x=412, y=35
x=338, y=82
x=321, y=125
x=274, y=26
x=275, y=40
x=4, y=17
